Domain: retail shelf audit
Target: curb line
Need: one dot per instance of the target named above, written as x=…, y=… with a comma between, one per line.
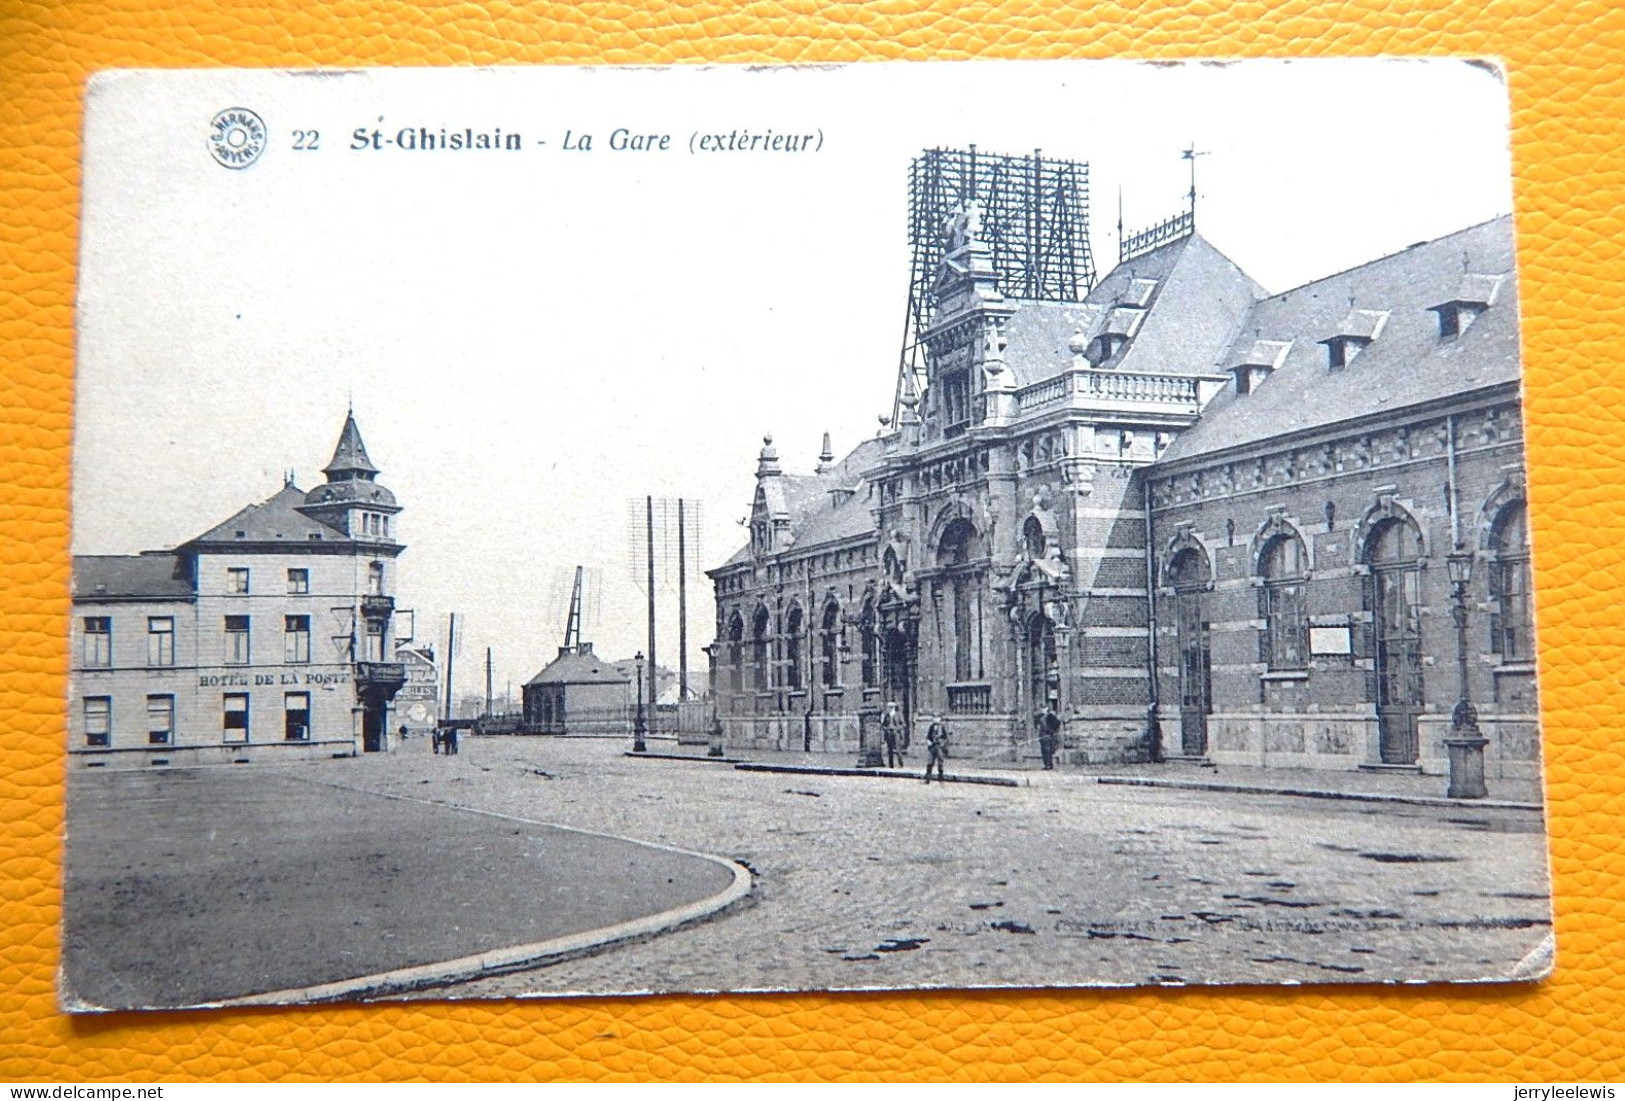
x=1317, y=793
x=880, y=773
x=683, y=757
x=517, y=957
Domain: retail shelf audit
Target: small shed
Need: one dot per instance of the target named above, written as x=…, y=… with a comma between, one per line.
x=578, y=693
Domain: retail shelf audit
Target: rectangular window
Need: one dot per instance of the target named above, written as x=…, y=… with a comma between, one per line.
x=160, y=640
x=1286, y=626
x=160, y=720
x=236, y=640
x=98, y=641
x=234, y=717
x=298, y=582
x=296, y=640
x=98, y=720
x=237, y=579
x=296, y=716
x=375, y=579
x=955, y=399
x=1513, y=636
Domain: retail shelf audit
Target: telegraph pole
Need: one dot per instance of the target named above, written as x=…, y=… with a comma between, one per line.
x=451, y=652
x=682, y=607
x=649, y=506
x=487, y=682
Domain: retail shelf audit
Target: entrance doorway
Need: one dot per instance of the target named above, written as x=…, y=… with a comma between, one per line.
x=1043, y=663
x=897, y=651
x=372, y=727
x=1192, y=577
x=1394, y=552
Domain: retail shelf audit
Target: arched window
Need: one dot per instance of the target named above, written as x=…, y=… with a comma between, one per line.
x=871, y=644
x=761, y=634
x=1512, y=625
x=792, y=648
x=959, y=546
x=830, y=644
x=1032, y=537
x=736, y=654
x=1393, y=541
x=1281, y=603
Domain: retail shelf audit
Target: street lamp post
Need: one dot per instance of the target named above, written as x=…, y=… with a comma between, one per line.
x=639, y=722
x=1465, y=745
x=714, y=730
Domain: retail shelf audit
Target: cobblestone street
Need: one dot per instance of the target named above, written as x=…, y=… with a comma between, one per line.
x=866, y=882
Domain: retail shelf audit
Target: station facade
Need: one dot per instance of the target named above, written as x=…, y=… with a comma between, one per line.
x=1199, y=520
x=269, y=635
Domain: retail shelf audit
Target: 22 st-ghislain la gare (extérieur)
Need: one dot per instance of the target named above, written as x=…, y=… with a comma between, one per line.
x=1200, y=520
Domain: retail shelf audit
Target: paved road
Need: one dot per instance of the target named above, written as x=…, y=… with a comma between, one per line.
x=193, y=886
x=871, y=883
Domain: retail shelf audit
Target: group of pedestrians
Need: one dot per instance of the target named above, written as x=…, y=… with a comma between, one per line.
x=894, y=731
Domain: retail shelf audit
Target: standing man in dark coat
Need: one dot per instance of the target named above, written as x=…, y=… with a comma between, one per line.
x=936, y=744
x=1049, y=734
x=891, y=722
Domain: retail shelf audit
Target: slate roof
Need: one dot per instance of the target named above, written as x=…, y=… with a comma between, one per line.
x=362, y=490
x=1406, y=365
x=155, y=576
x=816, y=518
x=579, y=668
x=275, y=519
x=350, y=456
x=1038, y=334
x=1181, y=325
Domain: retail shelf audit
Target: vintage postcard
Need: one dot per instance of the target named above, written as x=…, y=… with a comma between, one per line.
x=594, y=531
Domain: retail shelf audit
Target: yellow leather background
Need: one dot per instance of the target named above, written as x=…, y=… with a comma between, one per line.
x=1567, y=63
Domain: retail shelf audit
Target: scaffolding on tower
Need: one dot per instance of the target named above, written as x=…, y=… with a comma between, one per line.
x=1035, y=220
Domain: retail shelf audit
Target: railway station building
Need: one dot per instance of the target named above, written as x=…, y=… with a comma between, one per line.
x=1200, y=520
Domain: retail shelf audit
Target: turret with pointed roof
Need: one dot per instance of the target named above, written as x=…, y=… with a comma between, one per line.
x=350, y=456
x=351, y=500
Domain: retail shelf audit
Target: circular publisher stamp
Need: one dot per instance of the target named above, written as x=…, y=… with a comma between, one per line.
x=236, y=137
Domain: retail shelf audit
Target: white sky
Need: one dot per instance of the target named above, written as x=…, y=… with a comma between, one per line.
x=532, y=340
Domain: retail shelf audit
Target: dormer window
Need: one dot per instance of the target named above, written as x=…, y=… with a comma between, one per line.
x=1358, y=330
x=1138, y=293
x=1259, y=363
x=1121, y=326
x=1340, y=351
x=1104, y=348
x=1474, y=295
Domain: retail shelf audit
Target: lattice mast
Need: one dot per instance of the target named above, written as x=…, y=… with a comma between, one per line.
x=572, y=622
x=1035, y=218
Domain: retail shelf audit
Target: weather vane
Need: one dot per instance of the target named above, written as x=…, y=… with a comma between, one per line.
x=1190, y=155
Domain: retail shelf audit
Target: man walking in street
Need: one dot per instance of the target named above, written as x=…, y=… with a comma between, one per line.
x=936, y=744
x=1049, y=734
